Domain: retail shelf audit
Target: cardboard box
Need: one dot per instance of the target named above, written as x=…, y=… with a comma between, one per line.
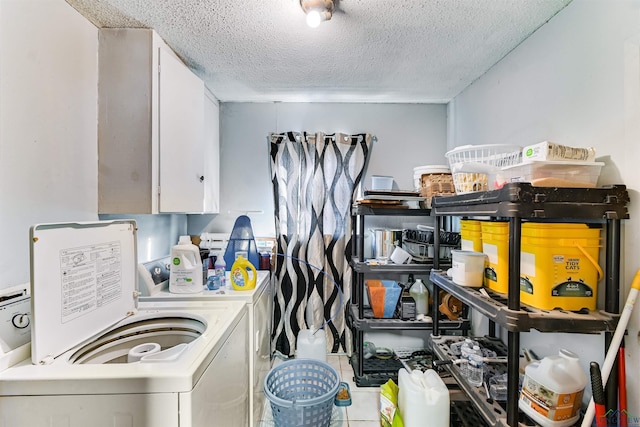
x=550, y=151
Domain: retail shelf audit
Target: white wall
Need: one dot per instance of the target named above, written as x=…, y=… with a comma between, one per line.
x=408, y=135
x=48, y=138
x=577, y=82
x=48, y=132
x=48, y=111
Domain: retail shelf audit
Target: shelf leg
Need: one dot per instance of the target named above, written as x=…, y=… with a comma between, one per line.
x=513, y=338
x=435, y=310
x=359, y=347
x=436, y=242
x=359, y=283
x=515, y=240
x=360, y=249
x=612, y=300
x=436, y=266
x=513, y=376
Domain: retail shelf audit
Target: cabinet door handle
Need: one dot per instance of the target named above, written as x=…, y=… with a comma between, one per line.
x=201, y=178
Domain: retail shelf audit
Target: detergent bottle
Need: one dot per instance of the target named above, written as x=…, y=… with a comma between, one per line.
x=243, y=274
x=220, y=267
x=552, y=390
x=185, y=273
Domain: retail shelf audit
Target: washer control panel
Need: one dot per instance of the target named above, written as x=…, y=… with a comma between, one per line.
x=15, y=319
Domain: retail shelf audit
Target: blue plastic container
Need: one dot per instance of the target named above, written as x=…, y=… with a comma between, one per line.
x=241, y=240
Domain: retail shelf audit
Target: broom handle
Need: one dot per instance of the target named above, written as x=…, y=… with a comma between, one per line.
x=615, y=343
x=622, y=382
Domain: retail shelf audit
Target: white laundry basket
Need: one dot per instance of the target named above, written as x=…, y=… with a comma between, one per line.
x=474, y=167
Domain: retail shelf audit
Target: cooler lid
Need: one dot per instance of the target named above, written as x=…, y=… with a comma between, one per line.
x=83, y=280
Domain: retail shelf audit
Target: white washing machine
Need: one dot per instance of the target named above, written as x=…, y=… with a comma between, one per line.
x=99, y=360
x=259, y=301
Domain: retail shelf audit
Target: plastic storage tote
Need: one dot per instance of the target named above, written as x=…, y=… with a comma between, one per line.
x=495, y=243
x=470, y=235
x=555, y=173
x=559, y=266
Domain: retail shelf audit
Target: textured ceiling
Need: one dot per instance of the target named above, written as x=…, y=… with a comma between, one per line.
x=370, y=51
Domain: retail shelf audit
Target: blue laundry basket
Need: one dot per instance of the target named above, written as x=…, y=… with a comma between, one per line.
x=301, y=393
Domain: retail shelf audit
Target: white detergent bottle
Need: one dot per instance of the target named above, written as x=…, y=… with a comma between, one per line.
x=552, y=390
x=423, y=396
x=185, y=273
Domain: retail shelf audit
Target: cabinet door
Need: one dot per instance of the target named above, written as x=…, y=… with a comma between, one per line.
x=180, y=135
x=211, y=155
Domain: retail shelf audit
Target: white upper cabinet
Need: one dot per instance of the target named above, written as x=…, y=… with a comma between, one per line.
x=154, y=133
x=211, y=154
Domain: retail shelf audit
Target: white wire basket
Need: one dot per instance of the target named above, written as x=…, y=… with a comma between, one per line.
x=476, y=167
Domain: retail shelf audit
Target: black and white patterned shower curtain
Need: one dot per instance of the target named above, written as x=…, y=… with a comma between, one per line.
x=314, y=176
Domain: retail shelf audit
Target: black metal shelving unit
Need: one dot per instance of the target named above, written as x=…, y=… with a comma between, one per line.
x=492, y=411
x=518, y=202
x=374, y=372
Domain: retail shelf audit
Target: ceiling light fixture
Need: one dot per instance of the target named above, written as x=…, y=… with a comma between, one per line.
x=317, y=11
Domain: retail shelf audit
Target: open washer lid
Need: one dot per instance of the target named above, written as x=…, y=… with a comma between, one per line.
x=83, y=280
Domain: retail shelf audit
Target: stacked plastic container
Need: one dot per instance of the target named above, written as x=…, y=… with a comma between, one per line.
x=495, y=244
x=559, y=261
x=547, y=164
x=383, y=297
x=470, y=235
x=433, y=180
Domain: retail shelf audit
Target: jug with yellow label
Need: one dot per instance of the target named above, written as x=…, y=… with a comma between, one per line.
x=243, y=274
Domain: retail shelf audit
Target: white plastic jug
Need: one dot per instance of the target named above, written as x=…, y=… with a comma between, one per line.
x=552, y=390
x=423, y=396
x=185, y=273
x=310, y=346
x=420, y=294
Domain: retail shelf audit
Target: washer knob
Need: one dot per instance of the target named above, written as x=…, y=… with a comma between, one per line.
x=21, y=321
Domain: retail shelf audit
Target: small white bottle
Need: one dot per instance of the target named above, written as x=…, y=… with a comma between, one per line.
x=185, y=273
x=221, y=268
